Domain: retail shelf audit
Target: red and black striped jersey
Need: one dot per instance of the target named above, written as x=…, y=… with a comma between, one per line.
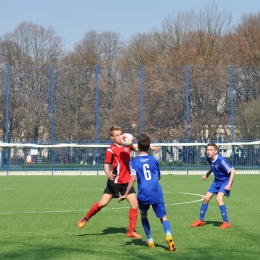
x=119, y=158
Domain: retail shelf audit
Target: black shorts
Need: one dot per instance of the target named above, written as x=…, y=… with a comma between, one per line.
x=114, y=189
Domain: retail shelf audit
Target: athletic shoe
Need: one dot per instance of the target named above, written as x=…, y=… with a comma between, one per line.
x=197, y=223
x=225, y=225
x=133, y=234
x=170, y=243
x=151, y=244
x=82, y=222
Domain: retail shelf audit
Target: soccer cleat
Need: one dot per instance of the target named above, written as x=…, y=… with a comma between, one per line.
x=225, y=225
x=82, y=222
x=197, y=223
x=133, y=234
x=151, y=244
x=170, y=243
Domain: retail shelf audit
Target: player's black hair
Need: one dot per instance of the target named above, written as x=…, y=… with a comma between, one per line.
x=143, y=142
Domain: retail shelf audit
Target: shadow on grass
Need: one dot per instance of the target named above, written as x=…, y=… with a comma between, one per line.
x=135, y=241
x=107, y=231
x=213, y=223
x=140, y=242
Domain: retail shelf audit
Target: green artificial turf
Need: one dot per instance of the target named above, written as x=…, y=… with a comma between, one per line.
x=39, y=215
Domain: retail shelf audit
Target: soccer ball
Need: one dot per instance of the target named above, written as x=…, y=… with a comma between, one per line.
x=127, y=139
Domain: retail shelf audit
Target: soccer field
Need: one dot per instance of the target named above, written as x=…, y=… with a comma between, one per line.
x=39, y=215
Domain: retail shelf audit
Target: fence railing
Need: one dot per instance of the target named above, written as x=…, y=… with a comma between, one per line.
x=72, y=159
x=187, y=104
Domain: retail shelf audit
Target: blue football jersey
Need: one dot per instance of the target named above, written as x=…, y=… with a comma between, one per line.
x=221, y=168
x=146, y=169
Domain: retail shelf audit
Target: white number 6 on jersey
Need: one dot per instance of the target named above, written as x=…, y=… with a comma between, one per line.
x=147, y=173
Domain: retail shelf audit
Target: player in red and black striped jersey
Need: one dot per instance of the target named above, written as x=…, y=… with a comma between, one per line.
x=117, y=169
x=118, y=157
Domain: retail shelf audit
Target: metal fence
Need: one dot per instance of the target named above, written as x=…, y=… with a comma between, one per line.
x=80, y=104
x=89, y=160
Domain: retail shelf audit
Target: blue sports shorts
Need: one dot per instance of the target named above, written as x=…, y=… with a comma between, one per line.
x=159, y=208
x=216, y=187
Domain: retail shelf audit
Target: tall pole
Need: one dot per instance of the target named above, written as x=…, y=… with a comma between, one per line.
x=142, y=97
x=52, y=114
x=232, y=117
x=97, y=118
x=187, y=116
x=7, y=117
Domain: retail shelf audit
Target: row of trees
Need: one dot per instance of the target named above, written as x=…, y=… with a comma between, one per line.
x=207, y=40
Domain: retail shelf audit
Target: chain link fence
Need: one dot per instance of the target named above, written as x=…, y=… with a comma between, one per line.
x=51, y=105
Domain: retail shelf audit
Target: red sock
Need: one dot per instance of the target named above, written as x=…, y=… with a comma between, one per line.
x=94, y=209
x=133, y=214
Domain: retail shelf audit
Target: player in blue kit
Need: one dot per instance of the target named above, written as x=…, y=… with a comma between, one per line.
x=224, y=174
x=145, y=169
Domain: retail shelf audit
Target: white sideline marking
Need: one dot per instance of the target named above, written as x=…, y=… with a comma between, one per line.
x=106, y=208
x=186, y=202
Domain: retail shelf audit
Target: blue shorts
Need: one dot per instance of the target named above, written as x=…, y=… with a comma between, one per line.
x=159, y=208
x=216, y=187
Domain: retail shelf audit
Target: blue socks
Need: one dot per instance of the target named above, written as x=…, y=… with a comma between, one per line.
x=166, y=227
x=203, y=210
x=223, y=211
x=146, y=227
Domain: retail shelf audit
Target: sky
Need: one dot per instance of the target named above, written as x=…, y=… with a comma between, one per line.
x=71, y=19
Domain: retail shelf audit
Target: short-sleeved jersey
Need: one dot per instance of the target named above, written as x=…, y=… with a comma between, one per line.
x=119, y=157
x=146, y=169
x=221, y=168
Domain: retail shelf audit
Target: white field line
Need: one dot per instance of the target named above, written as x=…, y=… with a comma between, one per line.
x=105, y=208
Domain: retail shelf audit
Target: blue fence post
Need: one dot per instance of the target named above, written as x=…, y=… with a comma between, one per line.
x=97, y=117
x=232, y=117
x=6, y=159
x=52, y=115
x=187, y=116
x=142, y=97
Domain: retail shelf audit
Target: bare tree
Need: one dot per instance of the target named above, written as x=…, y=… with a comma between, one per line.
x=141, y=50
x=247, y=123
x=86, y=52
x=195, y=38
x=171, y=38
x=30, y=50
x=104, y=50
x=31, y=45
x=209, y=102
x=246, y=41
x=245, y=50
x=165, y=102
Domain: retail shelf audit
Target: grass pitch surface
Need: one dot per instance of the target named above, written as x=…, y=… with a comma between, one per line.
x=39, y=215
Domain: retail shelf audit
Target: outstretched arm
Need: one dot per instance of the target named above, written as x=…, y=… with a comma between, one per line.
x=205, y=176
x=153, y=148
x=232, y=175
x=129, y=186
